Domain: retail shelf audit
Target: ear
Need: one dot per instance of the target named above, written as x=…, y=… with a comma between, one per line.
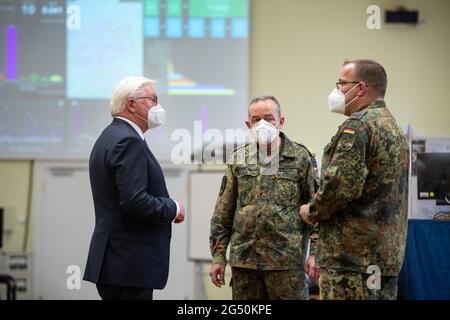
x=249, y=125
x=130, y=106
x=362, y=89
x=281, y=122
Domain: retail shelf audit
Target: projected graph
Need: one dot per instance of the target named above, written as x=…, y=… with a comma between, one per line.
x=11, y=73
x=31, y=67
x=11, y=52
x=178, y=84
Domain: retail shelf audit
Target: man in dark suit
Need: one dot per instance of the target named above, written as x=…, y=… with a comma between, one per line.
x=130, y=247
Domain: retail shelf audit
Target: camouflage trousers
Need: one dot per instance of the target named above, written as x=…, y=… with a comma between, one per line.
x=345, y=285
x=249, y=284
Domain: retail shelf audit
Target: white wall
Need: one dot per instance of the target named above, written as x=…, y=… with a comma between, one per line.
x=298, y=46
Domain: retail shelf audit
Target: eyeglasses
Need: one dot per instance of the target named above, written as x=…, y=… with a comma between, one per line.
x=154, y=99
x=345, y=82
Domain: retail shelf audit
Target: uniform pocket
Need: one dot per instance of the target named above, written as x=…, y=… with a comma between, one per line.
x=247, y=184
x=285, y=187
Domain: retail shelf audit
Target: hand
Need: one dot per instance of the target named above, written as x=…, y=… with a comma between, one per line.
x=181, y=215
x=217, y=273
x=311, y=269
x=304, y=213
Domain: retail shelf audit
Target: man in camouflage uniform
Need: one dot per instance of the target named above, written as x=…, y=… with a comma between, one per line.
x=257, y=211
x=361, y=206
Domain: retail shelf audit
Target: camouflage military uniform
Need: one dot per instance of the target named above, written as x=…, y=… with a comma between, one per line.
x=341, y=284
x=249, y=284
x=362, y=204
x=257, y=211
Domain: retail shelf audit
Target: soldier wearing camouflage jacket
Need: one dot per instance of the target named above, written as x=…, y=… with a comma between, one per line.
x=256, y=213
x=361, y=206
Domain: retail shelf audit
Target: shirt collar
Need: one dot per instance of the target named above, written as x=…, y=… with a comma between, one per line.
x=134, y=125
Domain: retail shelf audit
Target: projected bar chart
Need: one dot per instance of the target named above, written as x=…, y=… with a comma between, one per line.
x=11, y=62
x=177, y=84
x=11, y=52
x=32, y=49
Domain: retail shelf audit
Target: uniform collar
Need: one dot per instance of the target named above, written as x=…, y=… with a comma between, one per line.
x=287, y=148
x=375, y=104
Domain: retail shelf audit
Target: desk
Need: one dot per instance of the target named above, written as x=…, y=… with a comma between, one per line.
x=426, y=267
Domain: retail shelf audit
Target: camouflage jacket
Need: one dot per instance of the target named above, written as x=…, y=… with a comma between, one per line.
x=257, y=209
x=361, y=206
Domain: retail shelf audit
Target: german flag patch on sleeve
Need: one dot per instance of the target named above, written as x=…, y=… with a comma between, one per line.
x=349, y=131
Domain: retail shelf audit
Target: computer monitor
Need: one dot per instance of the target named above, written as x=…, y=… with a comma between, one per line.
x=433, y=177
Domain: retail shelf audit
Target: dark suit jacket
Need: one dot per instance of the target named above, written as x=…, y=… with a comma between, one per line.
x=133, y=212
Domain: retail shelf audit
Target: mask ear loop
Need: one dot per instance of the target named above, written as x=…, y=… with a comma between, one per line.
x=140, y=117
x=354, y=97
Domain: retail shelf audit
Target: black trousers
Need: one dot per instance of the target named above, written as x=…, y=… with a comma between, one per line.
x=124, y=293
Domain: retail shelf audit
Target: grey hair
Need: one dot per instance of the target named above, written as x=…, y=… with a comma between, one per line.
x=128, y=87
x=264, y=98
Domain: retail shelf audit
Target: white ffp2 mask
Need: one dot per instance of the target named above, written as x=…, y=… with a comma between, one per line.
x=156, y=117
x=336, y=100
x=264, y=132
